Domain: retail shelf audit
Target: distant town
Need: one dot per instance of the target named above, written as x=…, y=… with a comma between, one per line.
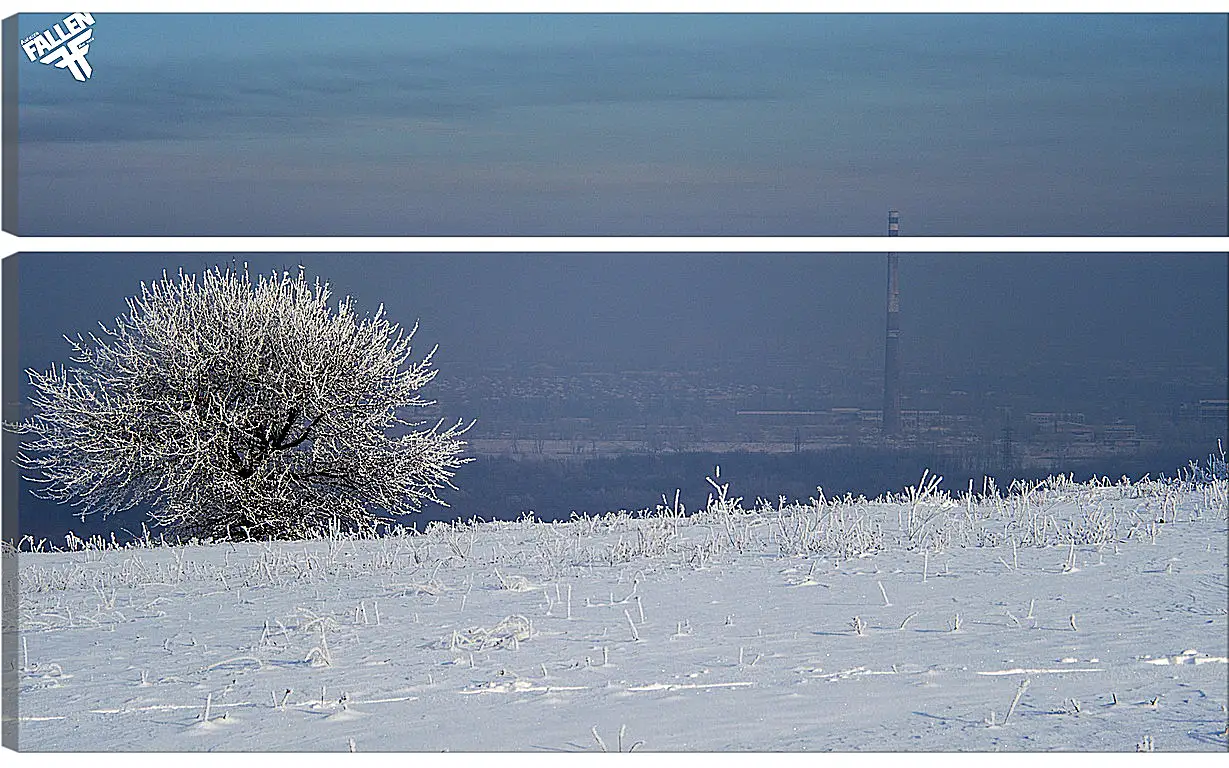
x=559, y=439
x=1011, y=419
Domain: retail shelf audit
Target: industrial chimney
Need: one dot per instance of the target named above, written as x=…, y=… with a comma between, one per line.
x=891, y=363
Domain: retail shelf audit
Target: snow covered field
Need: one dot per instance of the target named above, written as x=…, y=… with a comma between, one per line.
x=1058, y=616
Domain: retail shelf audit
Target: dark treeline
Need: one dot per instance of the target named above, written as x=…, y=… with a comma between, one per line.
x=502, y=488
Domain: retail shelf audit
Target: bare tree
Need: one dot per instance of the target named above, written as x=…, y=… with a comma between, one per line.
x=240, y=408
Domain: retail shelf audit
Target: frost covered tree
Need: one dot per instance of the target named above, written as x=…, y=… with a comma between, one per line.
x=238, y=408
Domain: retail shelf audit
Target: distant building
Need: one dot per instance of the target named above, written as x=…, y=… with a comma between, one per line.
x=1216, y=411
x=913, y=420
x=1043, y=420
x=1079, y=433
x=1120, y=436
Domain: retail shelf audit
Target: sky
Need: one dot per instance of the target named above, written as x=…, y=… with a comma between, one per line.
x=533, y=124
x=637, y=311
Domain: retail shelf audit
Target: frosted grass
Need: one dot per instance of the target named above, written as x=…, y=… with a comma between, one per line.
x=1053, y=615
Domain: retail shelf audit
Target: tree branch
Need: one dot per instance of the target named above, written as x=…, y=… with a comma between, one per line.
x=307, y=431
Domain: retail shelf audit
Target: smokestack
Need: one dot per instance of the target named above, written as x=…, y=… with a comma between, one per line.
x=891, y=363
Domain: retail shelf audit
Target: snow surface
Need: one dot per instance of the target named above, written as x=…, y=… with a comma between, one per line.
x=905, y=623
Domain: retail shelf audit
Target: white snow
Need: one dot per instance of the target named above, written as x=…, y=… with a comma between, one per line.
x=904, y=623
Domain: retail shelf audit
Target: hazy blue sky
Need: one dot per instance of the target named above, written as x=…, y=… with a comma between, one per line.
x=618, y=125
x=686, y=310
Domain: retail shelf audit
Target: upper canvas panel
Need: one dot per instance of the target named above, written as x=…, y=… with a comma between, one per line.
x=531, y=124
